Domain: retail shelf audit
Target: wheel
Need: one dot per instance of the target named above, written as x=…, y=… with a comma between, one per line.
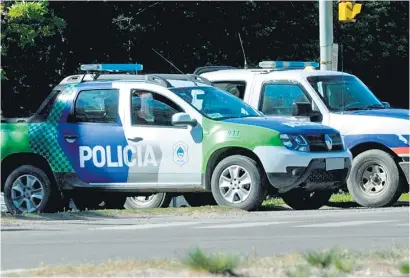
x=200, y=199
x=237, y=182
x=158, y=200
x=28, y=189
x=302, y=200
x=114, y=201
x=374, y=180
x=87, y=200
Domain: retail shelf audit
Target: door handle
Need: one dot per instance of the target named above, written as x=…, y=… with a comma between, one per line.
x=70, y=138
x=136, y=139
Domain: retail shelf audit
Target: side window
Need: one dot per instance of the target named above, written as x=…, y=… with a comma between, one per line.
x=236, y=88
x=277, y=99
x=97, y=106
x=148, y=108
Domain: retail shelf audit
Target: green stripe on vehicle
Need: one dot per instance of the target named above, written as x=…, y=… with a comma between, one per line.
x=14, y=139
x=218, y=135
x=43, y=136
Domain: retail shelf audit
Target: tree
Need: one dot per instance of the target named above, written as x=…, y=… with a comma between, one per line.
x=26, y=22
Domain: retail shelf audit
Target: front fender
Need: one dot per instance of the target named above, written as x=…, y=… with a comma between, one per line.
x=222, y=135
x=391, y=141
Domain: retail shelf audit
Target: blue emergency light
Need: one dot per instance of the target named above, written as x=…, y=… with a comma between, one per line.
x=287, y=65
x=111, y=67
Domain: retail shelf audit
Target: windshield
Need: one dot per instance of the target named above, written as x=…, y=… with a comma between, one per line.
x=343, y=93
x=215, y=104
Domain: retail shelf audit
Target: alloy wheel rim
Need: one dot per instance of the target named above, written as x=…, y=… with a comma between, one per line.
x=235, y=184
x=27, y=193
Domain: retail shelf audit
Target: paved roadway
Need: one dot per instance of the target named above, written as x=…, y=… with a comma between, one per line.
x=265, y=233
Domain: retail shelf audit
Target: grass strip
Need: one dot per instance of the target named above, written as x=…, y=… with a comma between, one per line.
x=334, y=262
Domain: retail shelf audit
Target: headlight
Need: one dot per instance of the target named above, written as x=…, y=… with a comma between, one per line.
x=294, y=142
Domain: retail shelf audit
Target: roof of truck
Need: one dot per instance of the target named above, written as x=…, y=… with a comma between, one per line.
x=292, y=73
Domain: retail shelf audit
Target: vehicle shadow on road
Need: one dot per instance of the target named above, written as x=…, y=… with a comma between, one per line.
x=274, y=208
x=60, y=216
x=356, y=205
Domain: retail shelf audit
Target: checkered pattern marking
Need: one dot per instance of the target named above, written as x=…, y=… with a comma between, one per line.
x=43, y=137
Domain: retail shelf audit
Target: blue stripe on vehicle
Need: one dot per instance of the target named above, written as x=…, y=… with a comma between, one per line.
x=388, y=140
x=283, y=125
x=386, y=113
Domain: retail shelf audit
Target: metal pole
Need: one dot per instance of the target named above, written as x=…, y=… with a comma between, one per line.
x=326, y=33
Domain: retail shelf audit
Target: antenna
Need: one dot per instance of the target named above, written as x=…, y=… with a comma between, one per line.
x=243, y=51
x=168, y=61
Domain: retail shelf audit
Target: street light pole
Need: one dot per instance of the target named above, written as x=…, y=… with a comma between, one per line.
x=326, y=33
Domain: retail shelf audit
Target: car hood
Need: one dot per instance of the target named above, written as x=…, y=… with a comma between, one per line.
x=387, y=113
x=283, y=125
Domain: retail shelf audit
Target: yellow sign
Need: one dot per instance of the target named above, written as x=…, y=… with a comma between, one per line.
x=348, y=11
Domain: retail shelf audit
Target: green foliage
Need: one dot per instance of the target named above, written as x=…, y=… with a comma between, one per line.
x=321, y=258
x=31, y=20
x=404, y=268
x=298, y=271
x=214, y=263
x=331, y=262
x=343, y=265
x=26, y=22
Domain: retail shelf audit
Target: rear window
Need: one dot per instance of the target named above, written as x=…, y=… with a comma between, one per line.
x=97, y=106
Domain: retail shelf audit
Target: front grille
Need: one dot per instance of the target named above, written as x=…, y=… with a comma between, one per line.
x=320, y=176
x=317, y=142
x=323, y=176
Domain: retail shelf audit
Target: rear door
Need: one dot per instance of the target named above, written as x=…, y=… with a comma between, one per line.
x=93, y=137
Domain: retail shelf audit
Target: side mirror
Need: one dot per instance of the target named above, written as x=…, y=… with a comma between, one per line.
x=183, y=119
x=302, y=109
x=386, y=104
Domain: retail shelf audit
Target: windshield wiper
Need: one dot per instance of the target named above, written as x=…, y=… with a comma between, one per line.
x=368, y=107
x=375, y=106
x=353, y=108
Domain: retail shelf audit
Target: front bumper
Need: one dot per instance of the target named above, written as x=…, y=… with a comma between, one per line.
x=287, y=170
x=314, y=177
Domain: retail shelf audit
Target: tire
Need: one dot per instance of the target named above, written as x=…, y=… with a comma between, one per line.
x=257, y=191
x=159, y=200
x=115, y=201
x=200, y=199
x=31, y=179
x=302, y=200
x=377, y=196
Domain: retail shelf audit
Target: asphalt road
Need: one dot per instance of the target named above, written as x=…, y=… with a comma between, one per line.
x=263, y=233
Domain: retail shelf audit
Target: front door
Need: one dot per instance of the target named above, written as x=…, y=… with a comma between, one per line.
x=160, y=154
x=277, y=98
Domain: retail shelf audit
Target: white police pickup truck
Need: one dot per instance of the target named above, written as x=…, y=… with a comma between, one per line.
x=377, y=135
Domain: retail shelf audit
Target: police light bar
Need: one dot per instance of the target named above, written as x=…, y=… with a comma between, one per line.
x=287, y=65
x=111, y=67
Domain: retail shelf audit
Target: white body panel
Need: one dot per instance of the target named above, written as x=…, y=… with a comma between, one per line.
x=276, y=159
x=162, y=143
